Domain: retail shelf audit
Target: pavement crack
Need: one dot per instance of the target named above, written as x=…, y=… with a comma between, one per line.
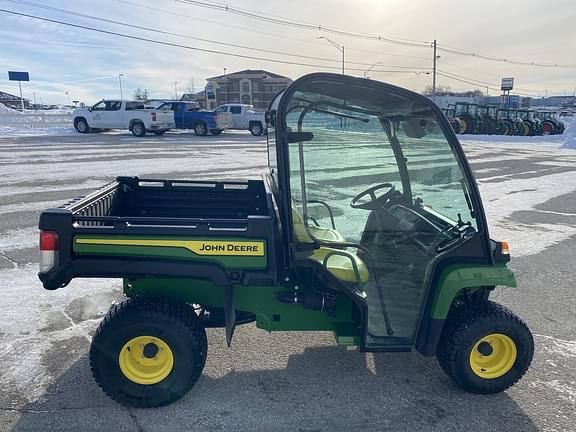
x=14, y=263
x=40, y=411
x=139, y=427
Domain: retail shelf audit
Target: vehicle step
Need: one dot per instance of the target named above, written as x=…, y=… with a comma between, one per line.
x=346, y=334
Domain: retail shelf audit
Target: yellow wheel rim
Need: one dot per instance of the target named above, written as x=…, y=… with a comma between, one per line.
x=493, y=356
x=463, y=126
x=146, y=360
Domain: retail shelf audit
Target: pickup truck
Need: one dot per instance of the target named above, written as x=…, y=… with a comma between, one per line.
x=187, y=115
x=117, y=114
x=244, y=117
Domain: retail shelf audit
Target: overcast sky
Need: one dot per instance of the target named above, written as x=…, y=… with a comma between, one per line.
x=86, y=64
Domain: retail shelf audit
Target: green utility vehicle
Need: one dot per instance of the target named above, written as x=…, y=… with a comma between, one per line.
x=514, y=124
x=493, y=124
x=368, y=224
x=550, y=124
x=450, y=114
x=532, y=124
x=471, y=122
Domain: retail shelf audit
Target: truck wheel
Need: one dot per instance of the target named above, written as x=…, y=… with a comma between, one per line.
x=256, y=129
x=81, y=125
x=148, y=351
x=485, y=348
x=200, y=129
x=215, y=131
x=138, y=129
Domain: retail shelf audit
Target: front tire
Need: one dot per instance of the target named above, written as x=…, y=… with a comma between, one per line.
x=148, y=351
x=485, y=348
x=81, y=125
x=138, y=129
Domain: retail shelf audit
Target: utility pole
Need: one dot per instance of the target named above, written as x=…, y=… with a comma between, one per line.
x=175, y=89
x=21, y=98
x=434, y=74
x=120, y=82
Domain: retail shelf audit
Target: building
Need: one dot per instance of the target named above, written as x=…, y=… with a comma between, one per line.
x=12, y=101
x=253, y=87
x=199, y=98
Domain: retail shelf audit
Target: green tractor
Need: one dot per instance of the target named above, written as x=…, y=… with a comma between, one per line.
x=532, y=124
x=493, y=124
x=550, y=124
x=513, y=125
x=368, y=224
x=471, y=122
x=450, y=114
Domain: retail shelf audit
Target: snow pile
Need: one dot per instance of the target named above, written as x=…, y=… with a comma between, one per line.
x=5, y=109
x=570, y=134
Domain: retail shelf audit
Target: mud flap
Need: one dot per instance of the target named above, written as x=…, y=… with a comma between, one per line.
x=229, y=312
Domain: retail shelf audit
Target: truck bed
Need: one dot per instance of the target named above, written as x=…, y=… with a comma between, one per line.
x=134, y=208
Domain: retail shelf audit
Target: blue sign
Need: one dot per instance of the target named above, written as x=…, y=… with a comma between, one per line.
x=18, y=76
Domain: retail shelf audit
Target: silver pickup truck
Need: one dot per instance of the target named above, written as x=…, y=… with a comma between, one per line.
x=117, y=114
x=244, y=117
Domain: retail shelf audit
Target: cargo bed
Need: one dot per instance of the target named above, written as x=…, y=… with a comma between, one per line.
x=133, y=211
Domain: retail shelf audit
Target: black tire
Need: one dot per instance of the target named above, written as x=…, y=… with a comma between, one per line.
x=215, y=131
x=256, y=129
x=465, y=328
x=138, y=129
x=159, y=133
x=200, y=129
x=81, y=125
x=171, y=322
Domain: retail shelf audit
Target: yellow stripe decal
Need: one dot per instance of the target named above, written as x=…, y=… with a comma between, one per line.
x=199, y=247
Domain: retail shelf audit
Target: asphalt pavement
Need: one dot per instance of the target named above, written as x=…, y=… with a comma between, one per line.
x=276, y=381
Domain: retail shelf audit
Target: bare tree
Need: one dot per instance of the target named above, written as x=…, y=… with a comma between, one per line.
x=141, y=94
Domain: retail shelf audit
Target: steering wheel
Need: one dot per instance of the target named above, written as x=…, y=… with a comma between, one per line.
x=375, y=201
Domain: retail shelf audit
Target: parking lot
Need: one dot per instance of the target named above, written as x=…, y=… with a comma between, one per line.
x=280, y=381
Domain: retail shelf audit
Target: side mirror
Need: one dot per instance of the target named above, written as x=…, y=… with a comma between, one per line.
x=90, y=109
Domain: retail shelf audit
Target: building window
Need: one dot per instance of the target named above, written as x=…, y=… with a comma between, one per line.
x=246, y=99
x=245, y=86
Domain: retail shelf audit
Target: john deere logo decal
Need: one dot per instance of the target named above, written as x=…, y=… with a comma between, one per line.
x=199, y=247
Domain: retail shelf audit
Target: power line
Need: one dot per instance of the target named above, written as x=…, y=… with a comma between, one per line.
x=479, y=83
x=150, y=29
x=252, y=30
x=302, y=25
x=485, y=83
x=175, y=45
x=421, y=44
x=461, y=52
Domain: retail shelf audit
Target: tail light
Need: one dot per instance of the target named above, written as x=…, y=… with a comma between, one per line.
x=153, y=116
x=49, y=246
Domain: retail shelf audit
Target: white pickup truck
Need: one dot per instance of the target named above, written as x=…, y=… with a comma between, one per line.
x=117, y=114
x=244, y=117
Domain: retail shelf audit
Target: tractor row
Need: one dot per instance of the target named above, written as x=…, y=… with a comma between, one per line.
x=471, y=118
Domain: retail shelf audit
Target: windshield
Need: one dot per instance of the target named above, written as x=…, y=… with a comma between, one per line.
x=358, y=145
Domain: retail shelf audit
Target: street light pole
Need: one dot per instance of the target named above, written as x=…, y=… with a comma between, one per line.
x=120, y=82
x=337, y=46
x=370, y=68
x=434, y=74
x=175, y=89
x=225, y=87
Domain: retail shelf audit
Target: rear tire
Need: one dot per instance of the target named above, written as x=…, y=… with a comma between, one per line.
x=485, y=348
x=200, y=129
x=138, y=129
x=81, y=125
x=148, y=351
x=256, y=129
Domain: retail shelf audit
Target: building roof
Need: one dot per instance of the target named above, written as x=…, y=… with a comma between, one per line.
x=250, y=72
x=9, y=97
